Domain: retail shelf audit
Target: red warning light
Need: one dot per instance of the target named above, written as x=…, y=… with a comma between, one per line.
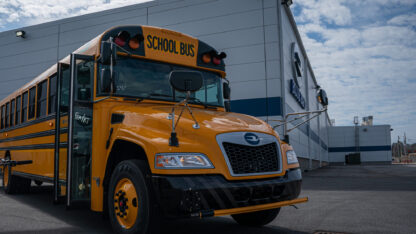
x=122, y=38
x=216, y=61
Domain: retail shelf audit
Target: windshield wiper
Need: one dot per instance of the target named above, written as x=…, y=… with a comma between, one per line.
x=199, y=101
x=190, y=98
x=159, y=95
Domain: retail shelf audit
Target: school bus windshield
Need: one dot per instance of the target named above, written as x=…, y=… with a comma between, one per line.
x=150, y=80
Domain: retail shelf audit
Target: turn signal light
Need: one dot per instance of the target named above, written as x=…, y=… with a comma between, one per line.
x=122, y=38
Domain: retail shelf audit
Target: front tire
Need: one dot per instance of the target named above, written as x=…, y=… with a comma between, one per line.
x=256, y=219
x=128, y=198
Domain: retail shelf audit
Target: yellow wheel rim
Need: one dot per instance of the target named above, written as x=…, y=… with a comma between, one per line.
x=5, y=175
x=125, y=203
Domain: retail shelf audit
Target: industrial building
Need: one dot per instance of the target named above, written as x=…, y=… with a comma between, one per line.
x=267, y=65
x=373, y=143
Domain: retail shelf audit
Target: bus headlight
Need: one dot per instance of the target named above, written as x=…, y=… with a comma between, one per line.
x=291, y=157
x=182, y=161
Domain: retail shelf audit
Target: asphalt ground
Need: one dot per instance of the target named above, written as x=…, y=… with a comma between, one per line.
x=345, y=199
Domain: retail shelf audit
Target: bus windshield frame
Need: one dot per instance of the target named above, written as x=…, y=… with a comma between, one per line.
x=132, y=75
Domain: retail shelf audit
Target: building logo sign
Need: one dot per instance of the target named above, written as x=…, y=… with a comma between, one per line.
x=297, y=82
x=295, y=91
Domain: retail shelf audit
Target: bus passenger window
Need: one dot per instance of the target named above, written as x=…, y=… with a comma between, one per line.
x=24, y=107
x=12, y=112
x=18, y=106
x=83, y=85
x=7, y=119
x=65, y=89
x=2, y=116
x=52, y=95
x=32, y=99
x=41, y=102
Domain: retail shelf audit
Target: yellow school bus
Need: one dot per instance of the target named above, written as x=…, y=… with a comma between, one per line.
x=136, y=124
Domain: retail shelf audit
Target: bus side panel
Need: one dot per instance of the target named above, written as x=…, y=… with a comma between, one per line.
x=35, y=142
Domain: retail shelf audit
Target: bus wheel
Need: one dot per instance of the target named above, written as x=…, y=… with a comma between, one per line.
x=13, y=184
x=257, y=219
x=128, y=198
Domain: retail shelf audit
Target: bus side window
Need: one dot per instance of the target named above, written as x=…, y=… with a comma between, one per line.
x=41, y=99
x=83, y=86
x=2, y=116
x=18, y=107
x=52, y=95
x=6, y=125
x=65, y=89
x=24, y=107
x=13, y=102
x=32, y=99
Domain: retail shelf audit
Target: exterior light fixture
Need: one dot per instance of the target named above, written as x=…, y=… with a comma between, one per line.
x=287, y=2
x=20, y=33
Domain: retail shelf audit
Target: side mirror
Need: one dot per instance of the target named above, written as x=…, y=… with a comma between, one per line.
x=105, y=80
x=105, y=57
x=226, y=91
x=108, y=53
x=227, y=106
x=322, y=97
x=186, y=81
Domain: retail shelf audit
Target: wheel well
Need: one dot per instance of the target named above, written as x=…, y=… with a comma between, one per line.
x=122, y=150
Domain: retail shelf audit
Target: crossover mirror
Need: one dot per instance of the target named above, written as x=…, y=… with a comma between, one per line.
x=108, y=53
x=105, y=80
x=186, y=81
x=322, y=97
x=226, y=91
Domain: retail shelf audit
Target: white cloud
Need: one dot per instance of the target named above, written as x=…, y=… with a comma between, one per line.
x=367, y=68
x=403, y=20
x=329, y=11
x=39, y=11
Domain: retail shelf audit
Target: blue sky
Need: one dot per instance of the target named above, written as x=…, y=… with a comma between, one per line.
x=364, y=54
x=363, y=51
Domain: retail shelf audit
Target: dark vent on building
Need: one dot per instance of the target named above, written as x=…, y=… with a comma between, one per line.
x=252, y=159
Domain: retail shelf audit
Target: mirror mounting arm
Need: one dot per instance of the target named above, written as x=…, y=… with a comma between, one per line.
x=173, y=140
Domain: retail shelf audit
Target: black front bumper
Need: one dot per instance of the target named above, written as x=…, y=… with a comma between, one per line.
x=196, y=195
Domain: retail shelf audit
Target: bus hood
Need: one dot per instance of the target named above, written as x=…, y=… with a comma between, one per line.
x=211, y=122
x=148, y=125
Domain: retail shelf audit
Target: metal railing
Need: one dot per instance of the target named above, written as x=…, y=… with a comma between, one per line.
x=285, y=121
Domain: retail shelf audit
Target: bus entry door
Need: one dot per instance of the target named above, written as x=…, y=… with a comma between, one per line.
x=75, y=118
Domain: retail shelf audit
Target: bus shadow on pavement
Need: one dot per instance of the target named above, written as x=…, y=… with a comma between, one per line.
x=83, y=220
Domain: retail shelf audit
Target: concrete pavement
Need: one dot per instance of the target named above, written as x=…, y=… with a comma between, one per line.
x=351, y=199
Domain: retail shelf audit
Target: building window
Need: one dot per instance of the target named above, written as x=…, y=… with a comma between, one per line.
x=32, y=103
x=7, y=119
x=18, y=107
x=41, y=102
x=52, y=95
x=24, y=107
x=13, y=102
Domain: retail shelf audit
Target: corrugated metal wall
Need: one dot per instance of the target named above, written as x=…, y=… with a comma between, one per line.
x=247, y=30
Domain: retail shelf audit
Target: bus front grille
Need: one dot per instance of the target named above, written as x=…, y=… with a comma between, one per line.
x=252, y=159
